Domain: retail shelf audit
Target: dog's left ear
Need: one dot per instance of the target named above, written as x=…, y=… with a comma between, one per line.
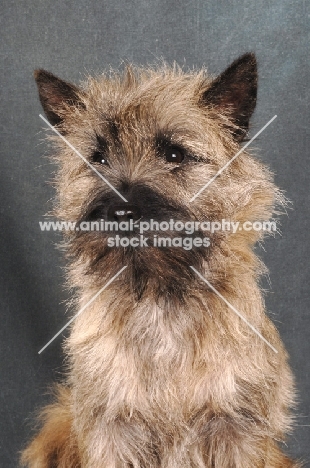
x=55, y=95
x=235, y=91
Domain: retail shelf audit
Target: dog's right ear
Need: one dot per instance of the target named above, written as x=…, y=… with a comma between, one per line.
x=56, y=95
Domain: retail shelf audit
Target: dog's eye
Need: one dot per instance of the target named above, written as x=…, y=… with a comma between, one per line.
x=174, y=154
x=98, y=157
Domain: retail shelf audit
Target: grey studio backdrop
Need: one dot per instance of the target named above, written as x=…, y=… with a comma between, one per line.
x=72, y=39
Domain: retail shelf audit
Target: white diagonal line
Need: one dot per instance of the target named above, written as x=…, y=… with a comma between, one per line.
x=82, y=157
x=234, y=310
x=232, y=159
x=83, y=308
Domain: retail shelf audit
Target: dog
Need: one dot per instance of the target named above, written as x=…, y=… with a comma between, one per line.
x=162, y=372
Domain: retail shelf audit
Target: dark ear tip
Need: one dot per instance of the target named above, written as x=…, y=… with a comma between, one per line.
x=248, y=58
x=37, y=73
x=41, y=75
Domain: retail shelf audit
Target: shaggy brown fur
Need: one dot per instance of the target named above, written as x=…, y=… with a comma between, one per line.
x=162, y=372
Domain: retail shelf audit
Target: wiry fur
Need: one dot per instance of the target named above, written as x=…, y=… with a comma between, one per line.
x=162, y=372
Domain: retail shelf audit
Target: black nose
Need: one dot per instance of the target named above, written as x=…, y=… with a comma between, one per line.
x=124, y=212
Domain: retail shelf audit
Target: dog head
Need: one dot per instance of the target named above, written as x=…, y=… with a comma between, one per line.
x=154, y=138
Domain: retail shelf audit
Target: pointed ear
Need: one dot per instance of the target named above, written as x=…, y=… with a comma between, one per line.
x=235, y=91
x=55, y=94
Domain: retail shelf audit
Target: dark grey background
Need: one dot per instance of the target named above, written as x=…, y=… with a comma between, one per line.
x=72, y=38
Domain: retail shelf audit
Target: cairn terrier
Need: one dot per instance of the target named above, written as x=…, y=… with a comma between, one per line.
x=162, y=373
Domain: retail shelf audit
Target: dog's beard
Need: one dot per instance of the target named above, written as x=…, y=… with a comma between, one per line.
x=162, y=271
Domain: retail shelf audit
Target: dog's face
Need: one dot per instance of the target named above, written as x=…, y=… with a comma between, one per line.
x=157, y=137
